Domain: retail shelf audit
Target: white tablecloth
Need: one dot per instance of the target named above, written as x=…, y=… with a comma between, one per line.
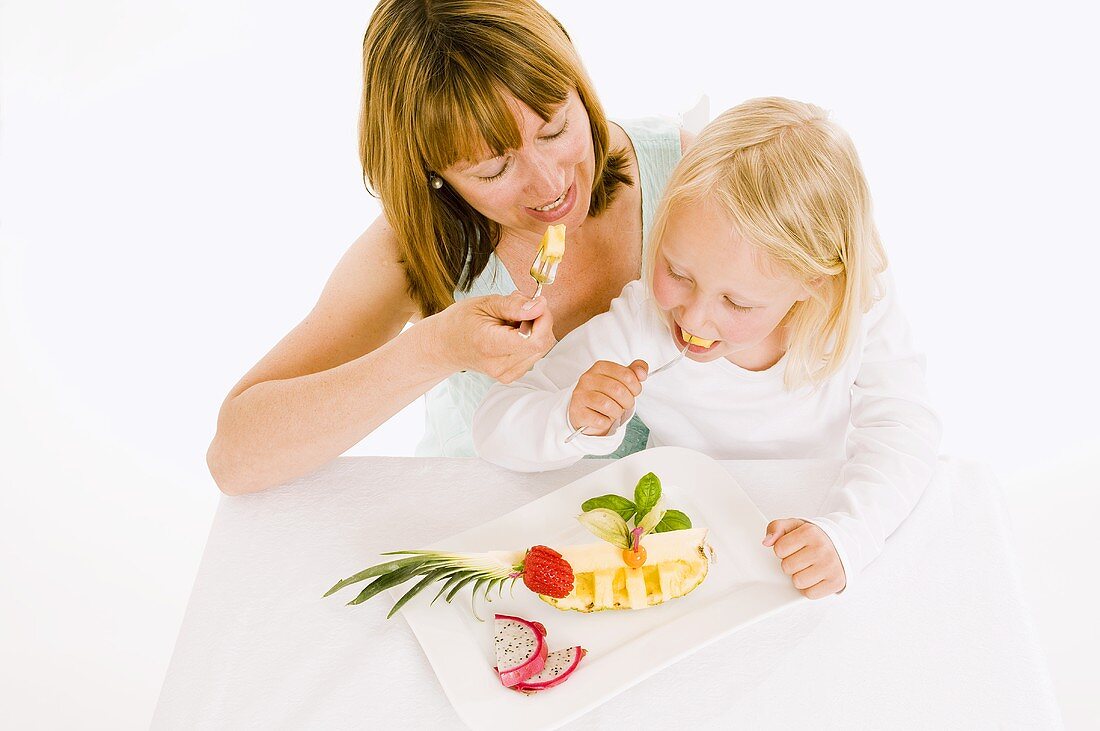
x=935, y=634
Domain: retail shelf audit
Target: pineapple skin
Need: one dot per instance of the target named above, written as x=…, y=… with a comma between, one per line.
x=676, y=564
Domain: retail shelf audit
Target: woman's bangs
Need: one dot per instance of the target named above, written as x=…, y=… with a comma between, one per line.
x=468, y=116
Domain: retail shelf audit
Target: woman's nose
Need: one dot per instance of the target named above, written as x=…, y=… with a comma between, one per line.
x=546, y=179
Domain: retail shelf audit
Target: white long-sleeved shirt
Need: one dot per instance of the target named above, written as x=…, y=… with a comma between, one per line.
x=873, y=412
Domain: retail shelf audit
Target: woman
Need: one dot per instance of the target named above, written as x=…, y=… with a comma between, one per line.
x=478, y=128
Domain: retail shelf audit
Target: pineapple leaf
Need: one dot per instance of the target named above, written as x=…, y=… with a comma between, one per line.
x=473, y=598
x=382, y=568
x=452, y=579
x=429, y=578
x=385, y=582
x=466, y=580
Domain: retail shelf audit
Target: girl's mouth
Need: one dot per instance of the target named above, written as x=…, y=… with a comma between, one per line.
x=556, y=209
x=695, y=343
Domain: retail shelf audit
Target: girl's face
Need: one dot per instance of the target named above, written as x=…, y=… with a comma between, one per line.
x=710, y=283
x=548, y=179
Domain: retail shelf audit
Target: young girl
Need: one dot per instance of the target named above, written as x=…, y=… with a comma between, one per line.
x=766, y=266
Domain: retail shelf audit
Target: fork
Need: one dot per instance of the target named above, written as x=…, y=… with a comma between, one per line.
x=665, y=367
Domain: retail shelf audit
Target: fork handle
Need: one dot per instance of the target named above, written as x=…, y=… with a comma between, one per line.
x=576, y=432
x=526, y=325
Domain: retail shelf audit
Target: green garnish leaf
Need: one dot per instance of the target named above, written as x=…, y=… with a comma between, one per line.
x=646, y=495
x=386, y=581
x=429, y=578
x=619, y=504
x=673, y=520
x=652, y=518
x=380, y=569
x=607, y=525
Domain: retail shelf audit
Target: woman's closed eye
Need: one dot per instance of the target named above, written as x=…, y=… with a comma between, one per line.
x=495, y=176
x=559, y=133
x=508, y=160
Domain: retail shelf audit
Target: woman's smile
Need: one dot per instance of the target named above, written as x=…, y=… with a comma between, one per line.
x=556, y=209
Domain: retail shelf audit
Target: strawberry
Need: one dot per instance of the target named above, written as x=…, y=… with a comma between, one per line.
x=546, y=572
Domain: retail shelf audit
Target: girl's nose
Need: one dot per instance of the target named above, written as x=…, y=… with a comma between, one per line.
x=694, y=317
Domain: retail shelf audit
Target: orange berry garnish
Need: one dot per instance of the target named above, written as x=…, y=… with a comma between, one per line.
x=635, y=557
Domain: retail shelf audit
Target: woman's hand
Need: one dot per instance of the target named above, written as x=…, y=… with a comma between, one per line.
x=604, y=393
x=480, y=334
x=807, y=556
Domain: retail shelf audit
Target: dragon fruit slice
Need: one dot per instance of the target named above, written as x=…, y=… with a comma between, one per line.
x=520, y=649
x=559, y=666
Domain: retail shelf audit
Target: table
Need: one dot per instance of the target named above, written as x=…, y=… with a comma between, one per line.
x=935, y=634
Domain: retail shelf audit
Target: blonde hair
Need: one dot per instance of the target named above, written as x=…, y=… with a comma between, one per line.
x=436, y=76
x=791, y=181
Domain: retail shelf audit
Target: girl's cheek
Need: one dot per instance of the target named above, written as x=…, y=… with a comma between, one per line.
x=662, y=292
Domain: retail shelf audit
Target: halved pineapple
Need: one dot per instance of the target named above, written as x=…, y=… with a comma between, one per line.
x=676, y=563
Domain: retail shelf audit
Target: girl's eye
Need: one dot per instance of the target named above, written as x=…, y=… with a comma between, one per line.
x=559, y=133
x=739, y=308
x=674, y=275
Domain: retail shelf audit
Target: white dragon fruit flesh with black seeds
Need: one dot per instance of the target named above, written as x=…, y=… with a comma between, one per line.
x=559, y=666
x=520, y=649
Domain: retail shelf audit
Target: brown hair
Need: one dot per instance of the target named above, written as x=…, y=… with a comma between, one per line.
x=436, y=74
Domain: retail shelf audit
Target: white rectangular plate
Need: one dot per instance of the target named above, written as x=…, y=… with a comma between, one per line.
x=744, y=585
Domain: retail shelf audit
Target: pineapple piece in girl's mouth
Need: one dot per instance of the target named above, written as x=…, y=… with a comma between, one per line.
x=693, y=340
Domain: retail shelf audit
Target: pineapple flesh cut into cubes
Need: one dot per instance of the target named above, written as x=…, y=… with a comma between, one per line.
x=676, y=563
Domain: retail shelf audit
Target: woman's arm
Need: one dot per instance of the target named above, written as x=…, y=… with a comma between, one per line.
x=348, y=367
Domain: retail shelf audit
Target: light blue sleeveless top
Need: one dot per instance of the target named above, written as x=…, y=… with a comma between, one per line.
x=450, y=406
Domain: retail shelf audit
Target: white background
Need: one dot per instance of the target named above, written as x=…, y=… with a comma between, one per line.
x=177, y=179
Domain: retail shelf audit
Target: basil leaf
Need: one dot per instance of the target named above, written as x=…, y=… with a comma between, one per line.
x=619, y=504
x=646, y=494
x=673, y=520
x=607, y=525
x=655, y=515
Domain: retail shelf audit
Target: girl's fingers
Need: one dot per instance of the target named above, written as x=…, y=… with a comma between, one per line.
x=808, y=577
x=779, y=528
x=797, y=561
x=615, y=390
x=598, y=424
x=822, y=589
x=604, y=405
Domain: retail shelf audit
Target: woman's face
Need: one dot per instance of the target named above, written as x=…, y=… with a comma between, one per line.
x=548, y=179
x=709, y=283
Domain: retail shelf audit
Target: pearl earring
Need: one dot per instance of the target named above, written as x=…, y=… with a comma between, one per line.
x=436, y=182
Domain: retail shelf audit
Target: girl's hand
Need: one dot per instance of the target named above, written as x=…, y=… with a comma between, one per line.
x=807, y=556
x=604, y=393
x=480, y=334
